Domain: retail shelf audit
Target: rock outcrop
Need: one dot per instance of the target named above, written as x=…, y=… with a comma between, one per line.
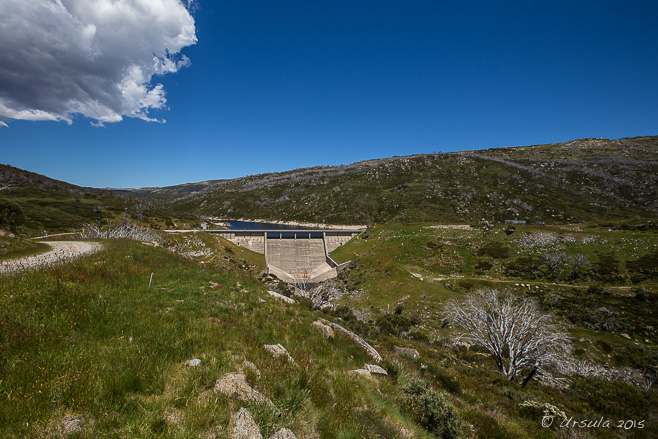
x=324, y=329
x=361, y=342
x=235, y=387
x=374, y=369
x=278, y=351
x=284, y=433
x=242, y=426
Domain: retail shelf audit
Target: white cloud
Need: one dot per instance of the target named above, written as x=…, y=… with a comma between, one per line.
x=97, y=58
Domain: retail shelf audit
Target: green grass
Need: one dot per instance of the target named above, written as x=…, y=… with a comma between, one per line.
x=90, y=339
x=11, y=248
x=391, y=260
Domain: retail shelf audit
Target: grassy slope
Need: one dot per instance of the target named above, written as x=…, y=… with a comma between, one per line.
x=16, y=247
x=92, y=340
x=587, y=179
x=450, y=264
x=31, y=204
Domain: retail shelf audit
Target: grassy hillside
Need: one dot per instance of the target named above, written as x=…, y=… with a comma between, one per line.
x=587, y=179
x=31, y=204
x=92, y=342
x=603, y=290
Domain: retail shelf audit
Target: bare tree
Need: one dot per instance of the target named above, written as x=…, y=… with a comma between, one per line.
x=110, y=230
x=300, y=284
x=580, y=262
x=554, y=260
x=515, y=332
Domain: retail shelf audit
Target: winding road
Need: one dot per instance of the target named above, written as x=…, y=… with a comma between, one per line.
x=61, y=251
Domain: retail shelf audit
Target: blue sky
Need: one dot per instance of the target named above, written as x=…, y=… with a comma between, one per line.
x=272, y=86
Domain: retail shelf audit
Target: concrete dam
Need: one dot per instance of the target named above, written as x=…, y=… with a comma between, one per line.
x=294, y=254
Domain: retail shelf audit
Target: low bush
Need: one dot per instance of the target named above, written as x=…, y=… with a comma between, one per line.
x=483, y=266
x=393, y=324
x=393, y=367
x=643, y=268
x=430, y=409
x=526, y=267
x=494, y=250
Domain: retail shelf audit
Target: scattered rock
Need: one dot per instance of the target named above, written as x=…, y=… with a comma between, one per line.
x=235, y=387
x=324, y=329
x=407, y=352
x=280, y=296
x=361, y=342
x=277, y=350
x=406, y=434
x=175, y=417
x=261, y=300
x=242, y=426
x=365, y=372
x=249, y=365
x=71, y=425
x=626, y=336
x=193, y=363
x=284, y=433
x=373, y=368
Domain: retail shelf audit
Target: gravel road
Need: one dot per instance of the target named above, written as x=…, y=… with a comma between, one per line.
x=61, y=251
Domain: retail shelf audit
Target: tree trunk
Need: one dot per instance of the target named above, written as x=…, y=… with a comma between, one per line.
x=529, y=377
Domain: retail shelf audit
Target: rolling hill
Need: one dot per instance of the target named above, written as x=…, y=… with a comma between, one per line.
x=31, y=203
x=582, y=180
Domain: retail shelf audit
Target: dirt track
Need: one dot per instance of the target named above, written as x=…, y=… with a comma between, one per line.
x=61, y=251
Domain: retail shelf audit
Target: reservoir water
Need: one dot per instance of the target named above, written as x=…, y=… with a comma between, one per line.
x=249, y=225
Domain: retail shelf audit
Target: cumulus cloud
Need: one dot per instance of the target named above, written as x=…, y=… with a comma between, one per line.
x=96, y=58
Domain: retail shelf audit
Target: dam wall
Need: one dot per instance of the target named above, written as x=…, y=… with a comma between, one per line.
x=291, y=254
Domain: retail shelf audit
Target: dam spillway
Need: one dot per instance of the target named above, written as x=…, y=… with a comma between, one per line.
x=294, y=254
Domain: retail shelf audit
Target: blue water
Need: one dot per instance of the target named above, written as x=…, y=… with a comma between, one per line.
x=248, y=225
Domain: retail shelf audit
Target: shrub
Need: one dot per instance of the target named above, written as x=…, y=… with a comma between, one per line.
x=419, y=336
x=488, y=427
x=393, y=367
x=494, y=250
x=430, y=409
x=448, y=382
x=526, y=267
x=606, y=268
x=10, y=214
x=393, y=324
x=645, y=267
x=614, y=398
x=483, y=266
x=597, y=289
